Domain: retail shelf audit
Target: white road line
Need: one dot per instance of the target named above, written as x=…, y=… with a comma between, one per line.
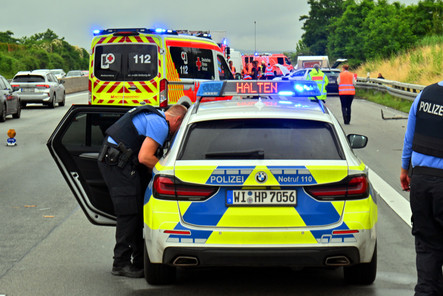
x=394, y=199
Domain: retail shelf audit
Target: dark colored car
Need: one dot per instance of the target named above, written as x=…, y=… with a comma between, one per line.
x=9, y=101
x=332, y=87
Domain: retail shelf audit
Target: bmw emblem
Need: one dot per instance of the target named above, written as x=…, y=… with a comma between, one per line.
x=261, y=177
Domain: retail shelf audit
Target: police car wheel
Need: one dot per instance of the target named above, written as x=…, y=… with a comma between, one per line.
x=363, y=273
x=157, y=273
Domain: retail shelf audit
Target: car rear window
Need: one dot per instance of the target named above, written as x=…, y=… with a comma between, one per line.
x=126, y=62
x=29, y=78
x=261, y=139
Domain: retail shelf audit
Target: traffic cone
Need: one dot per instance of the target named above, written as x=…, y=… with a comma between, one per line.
x=11, y=141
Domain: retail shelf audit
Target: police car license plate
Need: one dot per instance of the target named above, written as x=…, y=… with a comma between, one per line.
x=261, y=198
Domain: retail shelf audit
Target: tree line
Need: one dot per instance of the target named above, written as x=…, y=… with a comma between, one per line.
x=366, y=29
x=40, y=51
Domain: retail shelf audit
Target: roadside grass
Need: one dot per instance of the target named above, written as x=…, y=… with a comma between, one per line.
x=384, y=99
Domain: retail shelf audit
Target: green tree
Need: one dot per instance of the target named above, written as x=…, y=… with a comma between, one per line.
x=6, y=37
x=387, y=30
x=316, y=23
x=347, y=32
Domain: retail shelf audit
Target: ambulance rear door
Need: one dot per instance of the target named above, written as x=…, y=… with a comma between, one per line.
x=126, y=71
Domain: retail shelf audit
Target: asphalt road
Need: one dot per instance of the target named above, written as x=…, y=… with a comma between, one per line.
x=48, y=247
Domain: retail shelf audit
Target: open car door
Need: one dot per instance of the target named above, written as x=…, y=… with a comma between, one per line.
x=75, y=145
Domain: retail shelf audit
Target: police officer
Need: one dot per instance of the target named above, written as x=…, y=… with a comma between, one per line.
x=128, y=152
x=422, y=175
x=321, y=79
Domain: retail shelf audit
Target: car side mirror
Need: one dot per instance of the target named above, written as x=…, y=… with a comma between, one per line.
x=357, y=141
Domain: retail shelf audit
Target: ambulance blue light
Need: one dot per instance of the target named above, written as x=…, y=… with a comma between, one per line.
x=96, y=32
x=160, y=30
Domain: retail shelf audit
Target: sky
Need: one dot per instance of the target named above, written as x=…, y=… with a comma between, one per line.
x=249, y=24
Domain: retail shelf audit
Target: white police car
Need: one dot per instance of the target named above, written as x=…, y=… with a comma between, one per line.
x=265, y=178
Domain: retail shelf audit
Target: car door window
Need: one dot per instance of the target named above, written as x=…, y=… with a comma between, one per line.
x=223, y=70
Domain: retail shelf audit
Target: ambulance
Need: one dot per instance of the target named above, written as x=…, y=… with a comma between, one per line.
x=156, y=67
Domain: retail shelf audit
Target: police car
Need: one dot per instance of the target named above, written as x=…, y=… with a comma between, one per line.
x=257, y=175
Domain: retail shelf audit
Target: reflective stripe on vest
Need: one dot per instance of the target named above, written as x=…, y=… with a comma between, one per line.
x=346, y=87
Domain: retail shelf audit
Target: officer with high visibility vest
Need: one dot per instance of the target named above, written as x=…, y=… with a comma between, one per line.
x=269, y=72
x=321, y=79
x=422, y=174
x=346, y=90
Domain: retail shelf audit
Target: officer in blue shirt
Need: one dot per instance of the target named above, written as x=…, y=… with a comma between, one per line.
x=422, y=175
x=128, y=153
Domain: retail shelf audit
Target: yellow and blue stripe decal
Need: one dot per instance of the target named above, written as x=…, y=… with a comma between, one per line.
x=215, y=213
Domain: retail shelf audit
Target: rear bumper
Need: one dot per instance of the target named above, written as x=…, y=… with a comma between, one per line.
x=315, y=257
x=35, y=97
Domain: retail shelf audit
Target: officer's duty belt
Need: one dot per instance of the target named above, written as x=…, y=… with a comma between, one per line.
x=428, y=171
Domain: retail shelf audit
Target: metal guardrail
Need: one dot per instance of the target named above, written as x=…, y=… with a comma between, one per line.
x=401, y=90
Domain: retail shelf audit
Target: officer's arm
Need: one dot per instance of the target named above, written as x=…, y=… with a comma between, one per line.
x=146, y=156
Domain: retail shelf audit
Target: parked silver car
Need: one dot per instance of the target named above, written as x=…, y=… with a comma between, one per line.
x=9, y=101
x=39, y=87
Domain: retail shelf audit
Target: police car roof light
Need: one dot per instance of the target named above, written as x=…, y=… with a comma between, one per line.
x=300, y=88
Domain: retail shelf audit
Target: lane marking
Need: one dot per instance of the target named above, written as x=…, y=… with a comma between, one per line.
x=394, y=199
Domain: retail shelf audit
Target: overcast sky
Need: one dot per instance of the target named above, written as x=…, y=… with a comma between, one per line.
x=277, y=25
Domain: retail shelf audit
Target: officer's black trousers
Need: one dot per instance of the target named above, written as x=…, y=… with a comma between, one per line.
x=427, y=228
x=346, y=102
x=127, y=187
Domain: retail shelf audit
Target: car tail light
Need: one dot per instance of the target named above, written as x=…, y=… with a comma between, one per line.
x=163, y=94
x=43, y=85
x=353, y=187
x=15, y=85
x=169, y=188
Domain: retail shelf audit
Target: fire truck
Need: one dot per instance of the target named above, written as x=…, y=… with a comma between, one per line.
x=273, y=59
x=156, y=67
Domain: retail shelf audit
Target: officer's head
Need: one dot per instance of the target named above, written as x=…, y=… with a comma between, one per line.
x=174, y=115
x=317, y=67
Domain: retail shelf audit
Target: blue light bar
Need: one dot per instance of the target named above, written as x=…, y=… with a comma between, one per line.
x=210, y=89
x=160, y=30
x=299, y=88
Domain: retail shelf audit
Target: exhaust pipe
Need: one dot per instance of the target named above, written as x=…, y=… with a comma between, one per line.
x=185, y=261
x=337, y=261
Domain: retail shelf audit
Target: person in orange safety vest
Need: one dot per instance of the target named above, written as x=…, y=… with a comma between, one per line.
x=269, y=72
x=346, y=90
x=245, y=72
x=232, y=68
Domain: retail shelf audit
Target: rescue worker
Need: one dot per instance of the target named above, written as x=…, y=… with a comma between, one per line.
x=422, y=174
x=232, y=68
x=346, y=90
x=254, y=70
x=321, y=79
x=127, y=156
x=269, y=72
x=245, y=72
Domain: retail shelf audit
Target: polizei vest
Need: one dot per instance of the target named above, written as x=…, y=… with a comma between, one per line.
x=124, y=131
x=428, y=136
